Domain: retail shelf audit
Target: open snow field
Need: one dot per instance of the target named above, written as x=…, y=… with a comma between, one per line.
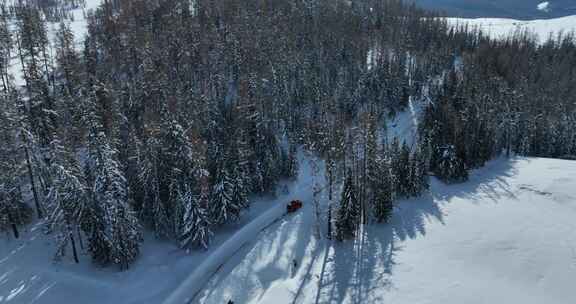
x=500, y=28
x=506, y=236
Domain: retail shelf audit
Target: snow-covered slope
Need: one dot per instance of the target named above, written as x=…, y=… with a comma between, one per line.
x=506, y=236
x=499, y=28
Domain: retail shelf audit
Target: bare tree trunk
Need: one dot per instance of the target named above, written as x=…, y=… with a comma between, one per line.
x=80, y=238
x=330, y=221
x=73, y=242
x=32, y=182
x=14, y=227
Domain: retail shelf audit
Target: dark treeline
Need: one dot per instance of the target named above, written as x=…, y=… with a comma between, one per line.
x=510, y=96
x=172, y=112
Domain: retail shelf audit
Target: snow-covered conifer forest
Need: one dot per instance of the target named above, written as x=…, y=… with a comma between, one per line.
x=150, y=144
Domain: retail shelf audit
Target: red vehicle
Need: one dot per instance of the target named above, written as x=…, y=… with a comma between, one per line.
x=293, y=206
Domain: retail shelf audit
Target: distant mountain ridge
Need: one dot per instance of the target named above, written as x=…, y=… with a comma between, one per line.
x=517, y=9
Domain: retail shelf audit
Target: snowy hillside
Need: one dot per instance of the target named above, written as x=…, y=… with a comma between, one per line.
x=498, y=27
x=506, y=236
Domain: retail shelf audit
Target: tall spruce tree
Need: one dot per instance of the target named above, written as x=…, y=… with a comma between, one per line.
x=66, y=200
x=195, y=230
x=349, y=213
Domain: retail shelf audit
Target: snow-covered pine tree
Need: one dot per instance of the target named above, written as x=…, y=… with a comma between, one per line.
x=13, y=211
x=401, y=168
x=32, y=49
x=114, y=233
x=348, y=216
x=67, y=57
x=121, y=227
x=66, y=199
x=153, y=210
x=240, y=191
x=384, y=192
x=229, y=193
x=450, y=167
x=372, y=163
x=177, y=166
x=418, y=172
x=224, y=206
x=268, y=157
x=291, y=165
x=68, y=86
x=195, y=224
x=167, y=165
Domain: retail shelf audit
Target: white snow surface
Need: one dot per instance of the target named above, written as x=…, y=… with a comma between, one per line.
x=78, y=25
x=501, y=27
x=506, y=236
x=404, y=125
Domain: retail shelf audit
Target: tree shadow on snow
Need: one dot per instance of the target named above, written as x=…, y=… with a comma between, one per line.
x=357, y=271
x=489, y=183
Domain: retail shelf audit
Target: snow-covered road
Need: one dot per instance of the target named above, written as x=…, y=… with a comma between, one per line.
x=163, y=272
x=234, y=249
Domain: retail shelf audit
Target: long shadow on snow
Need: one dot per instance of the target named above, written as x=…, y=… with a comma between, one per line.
x=270, y=254
x=353, y=270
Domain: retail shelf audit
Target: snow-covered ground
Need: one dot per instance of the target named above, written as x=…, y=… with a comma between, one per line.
x=500, y=28
x=506, y=236
x=28, y=275
x=78, y=25
x=404, y=125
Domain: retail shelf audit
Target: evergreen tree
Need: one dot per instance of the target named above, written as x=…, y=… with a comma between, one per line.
x=384, y=191
x=66, y=200
x=114, y=233
x=226, y=198
x=122, y=234
x=451, y=168
x=349, y=213
x=195, y=225
x=153, y=210
x=419, y=172
x=13, y=210
x=32, y=46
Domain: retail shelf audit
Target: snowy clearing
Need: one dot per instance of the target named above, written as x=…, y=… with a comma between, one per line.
x=500, y=28
x=78, y=25
x=506, y=236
